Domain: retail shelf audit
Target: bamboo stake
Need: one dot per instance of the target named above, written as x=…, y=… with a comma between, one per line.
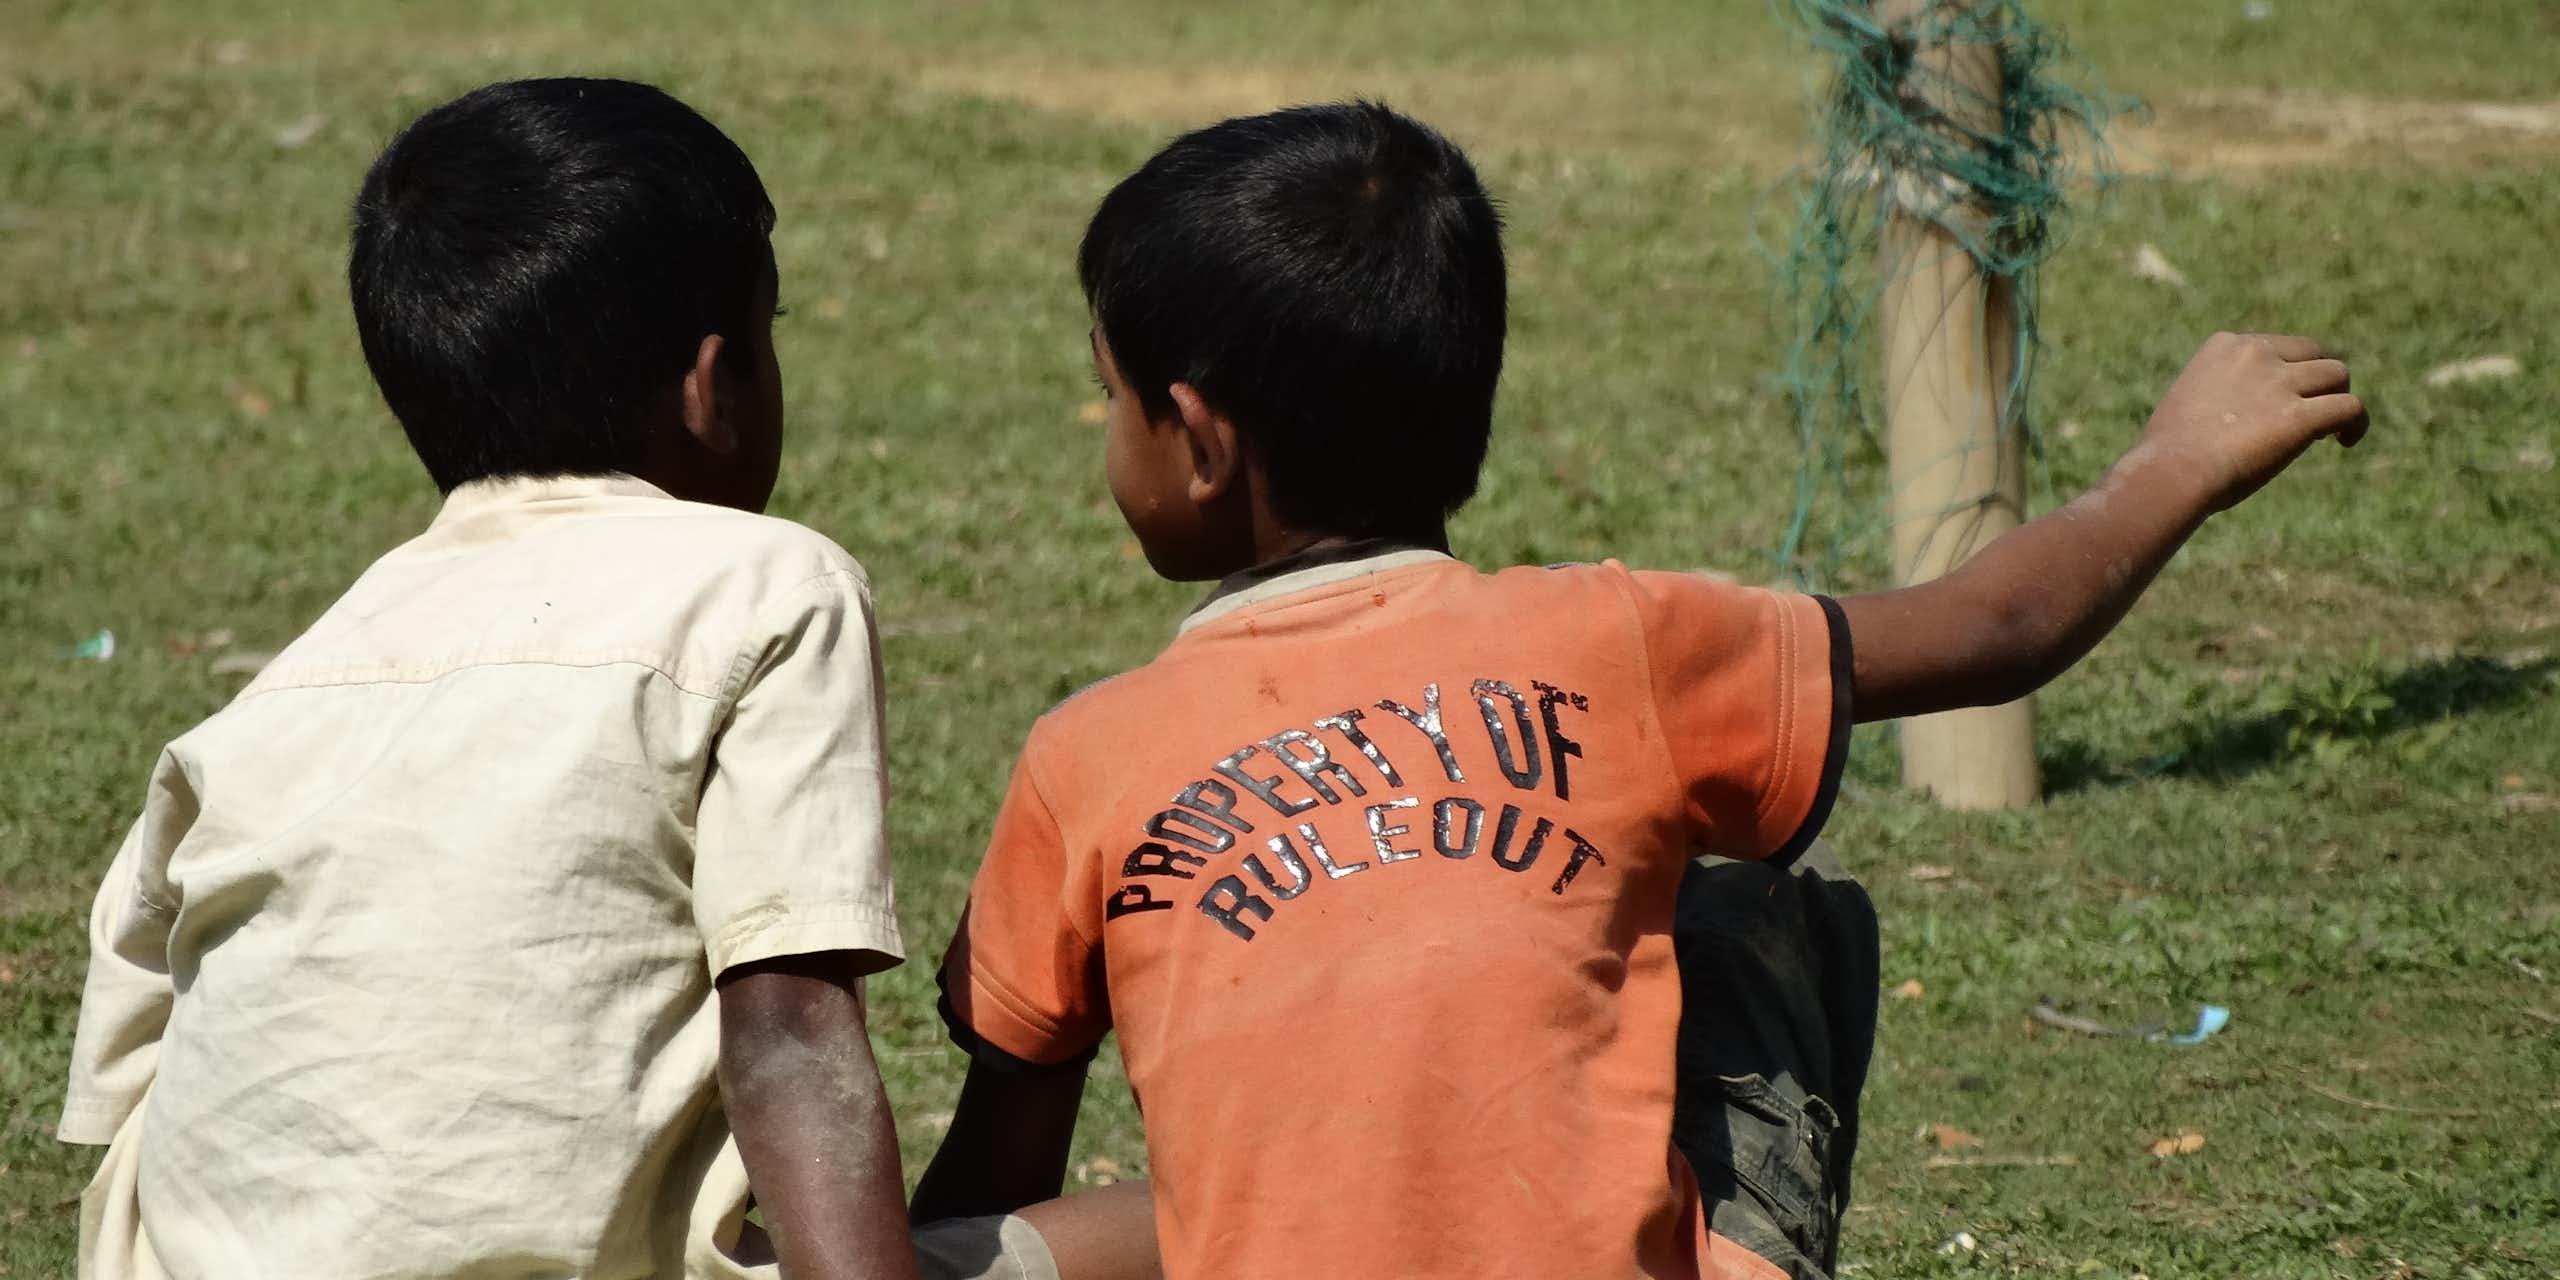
x=1959, y=478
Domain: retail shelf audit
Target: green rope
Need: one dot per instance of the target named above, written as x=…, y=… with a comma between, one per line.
x=1999, y=189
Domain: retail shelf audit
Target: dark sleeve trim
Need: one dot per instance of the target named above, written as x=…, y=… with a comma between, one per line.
x=1835, y=757
x=983, y=1053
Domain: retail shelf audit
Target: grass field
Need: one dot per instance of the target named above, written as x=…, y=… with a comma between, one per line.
x=2316, y=778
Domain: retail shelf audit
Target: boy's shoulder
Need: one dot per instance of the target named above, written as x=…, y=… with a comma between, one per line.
x=1544, y=606
x=574, y=573
x=671, y=534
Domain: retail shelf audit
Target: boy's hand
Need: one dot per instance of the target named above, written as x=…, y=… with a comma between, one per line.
x=2034, y=601
x=2245, y=408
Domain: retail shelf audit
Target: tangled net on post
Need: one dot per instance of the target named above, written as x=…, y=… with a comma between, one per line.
x=1895, y=136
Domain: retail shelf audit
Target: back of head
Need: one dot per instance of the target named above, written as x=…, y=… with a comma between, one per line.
x=1330, y=278
x=535, y=264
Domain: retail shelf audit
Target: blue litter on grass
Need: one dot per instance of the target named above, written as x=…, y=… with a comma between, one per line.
x=2209, y=1019
x=97, y=648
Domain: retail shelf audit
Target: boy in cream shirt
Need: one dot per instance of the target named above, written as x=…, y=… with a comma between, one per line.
x=513, y=922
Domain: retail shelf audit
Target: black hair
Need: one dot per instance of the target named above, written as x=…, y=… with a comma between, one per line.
x=536, y=263
x=1330, y=278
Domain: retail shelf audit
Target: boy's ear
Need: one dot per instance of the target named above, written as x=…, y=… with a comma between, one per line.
x=708, y=411
x=1217, y=461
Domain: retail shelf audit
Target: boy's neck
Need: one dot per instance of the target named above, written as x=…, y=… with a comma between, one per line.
x=1281, y=545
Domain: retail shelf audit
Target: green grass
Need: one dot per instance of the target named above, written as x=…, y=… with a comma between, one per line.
x=189, y=443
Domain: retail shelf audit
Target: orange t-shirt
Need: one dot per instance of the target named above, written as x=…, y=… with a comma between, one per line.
x=1373, y=870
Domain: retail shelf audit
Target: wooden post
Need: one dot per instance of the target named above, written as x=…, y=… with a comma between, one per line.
x=1959, y=476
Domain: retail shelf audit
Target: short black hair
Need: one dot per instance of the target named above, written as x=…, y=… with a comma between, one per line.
x=1329, y=277
x=536, y=262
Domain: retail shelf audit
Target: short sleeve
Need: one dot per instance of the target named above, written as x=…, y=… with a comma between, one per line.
x=790, y=854
x=125, y=1001
x=1751, y=688
x=1023, y=981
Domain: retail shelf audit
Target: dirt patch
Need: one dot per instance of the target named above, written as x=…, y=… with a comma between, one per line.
x=1569, y=104
x=1757, y=117
x=2243, y=132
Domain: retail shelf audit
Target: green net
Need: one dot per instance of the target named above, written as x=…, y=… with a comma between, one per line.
x=1894, y=134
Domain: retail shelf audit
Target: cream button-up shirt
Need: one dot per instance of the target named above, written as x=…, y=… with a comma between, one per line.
x=406, y=969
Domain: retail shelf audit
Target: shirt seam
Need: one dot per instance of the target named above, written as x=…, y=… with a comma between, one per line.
x=153, y=906
x=345, y=678
x=742, y=667
x=869, y=913
x=1040, y=793
x=733, y=936
x=1208, y=616
x=1624, y=581
x=1016, y=1005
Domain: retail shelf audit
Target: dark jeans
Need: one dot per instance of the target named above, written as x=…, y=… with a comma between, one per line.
x=1778, y=979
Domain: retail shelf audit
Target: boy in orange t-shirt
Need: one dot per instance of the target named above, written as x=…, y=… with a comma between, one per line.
x=1374, y=867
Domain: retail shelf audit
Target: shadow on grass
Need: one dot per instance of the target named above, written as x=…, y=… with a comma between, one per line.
x=2309, y=716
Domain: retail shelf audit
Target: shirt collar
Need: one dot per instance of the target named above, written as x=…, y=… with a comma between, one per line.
x=492, y=492
x=499, y=507
x=1308, y=570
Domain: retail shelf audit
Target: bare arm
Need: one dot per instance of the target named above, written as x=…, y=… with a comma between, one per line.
x=813, y=1126
x=1007, y=1146
x=2025, y=608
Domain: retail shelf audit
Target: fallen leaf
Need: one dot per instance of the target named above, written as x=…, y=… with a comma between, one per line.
x=2513, y=782
x=2151, y=264
x=247, y=662
x=831, y=308
x=218, y=638
x=1093, y=411
x=250, y=402
x=2481, y=369
x=1930, y=871
x=1910, y=990
x=1949, y=1138
x=8, y=974
x=2185, y=1143
x=2535, y=458
x=292, y=137
x=27, y=348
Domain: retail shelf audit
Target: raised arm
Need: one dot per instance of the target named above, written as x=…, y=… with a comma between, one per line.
x=813, y=1127
x=2025, y=608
